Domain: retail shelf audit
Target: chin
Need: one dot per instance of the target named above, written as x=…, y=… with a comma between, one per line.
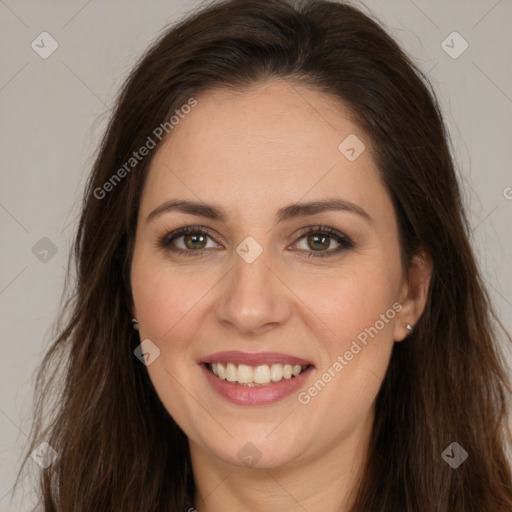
x=256, y=454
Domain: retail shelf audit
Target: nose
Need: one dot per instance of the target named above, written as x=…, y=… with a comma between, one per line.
x=254, y=298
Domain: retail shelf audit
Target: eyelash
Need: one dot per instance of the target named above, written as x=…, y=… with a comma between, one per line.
x=345, y=242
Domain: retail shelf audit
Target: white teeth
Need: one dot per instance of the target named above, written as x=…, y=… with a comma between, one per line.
x=277, y=372
x=262, y=374
x=250, y=376
x=231, y=373
x=244, y=374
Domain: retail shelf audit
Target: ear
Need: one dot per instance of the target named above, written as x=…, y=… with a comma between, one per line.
x=413, y=293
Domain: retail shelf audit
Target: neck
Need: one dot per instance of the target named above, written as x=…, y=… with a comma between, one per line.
x=325, y=481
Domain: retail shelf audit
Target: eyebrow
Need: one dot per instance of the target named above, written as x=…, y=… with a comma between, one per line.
x=291, y=211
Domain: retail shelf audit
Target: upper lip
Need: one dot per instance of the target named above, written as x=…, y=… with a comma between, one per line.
x=254, y=359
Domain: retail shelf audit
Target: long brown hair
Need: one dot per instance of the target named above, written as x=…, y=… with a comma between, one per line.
x=118, y=448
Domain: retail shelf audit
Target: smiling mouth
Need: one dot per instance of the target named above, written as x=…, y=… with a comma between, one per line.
x=255, y=376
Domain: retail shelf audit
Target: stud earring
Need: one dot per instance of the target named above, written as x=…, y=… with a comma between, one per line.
x=409, y=327
x=135, y=323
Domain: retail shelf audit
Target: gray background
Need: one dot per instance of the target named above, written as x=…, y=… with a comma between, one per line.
x=54, y=110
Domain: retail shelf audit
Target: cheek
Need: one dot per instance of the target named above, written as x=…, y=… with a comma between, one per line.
x=353, y=322
x=351, y=298
x=358, y=311
x=160, y=306
x=164, y=294
x=168, y=305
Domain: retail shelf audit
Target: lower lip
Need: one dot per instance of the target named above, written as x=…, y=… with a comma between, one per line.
x=259, y=395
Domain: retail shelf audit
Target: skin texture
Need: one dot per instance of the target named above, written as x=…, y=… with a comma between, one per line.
x=253, y=152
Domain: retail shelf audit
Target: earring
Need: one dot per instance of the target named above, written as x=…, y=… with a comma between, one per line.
x=135, y=323
x=409, y=327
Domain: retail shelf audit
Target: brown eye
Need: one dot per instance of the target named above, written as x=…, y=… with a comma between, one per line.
x=187, y=241
x=194, y=240
x=319, y=239
x=318, y=242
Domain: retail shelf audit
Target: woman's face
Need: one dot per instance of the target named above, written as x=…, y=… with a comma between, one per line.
x=283, y=286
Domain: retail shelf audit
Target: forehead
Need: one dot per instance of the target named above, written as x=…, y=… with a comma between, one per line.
x=273, y=143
